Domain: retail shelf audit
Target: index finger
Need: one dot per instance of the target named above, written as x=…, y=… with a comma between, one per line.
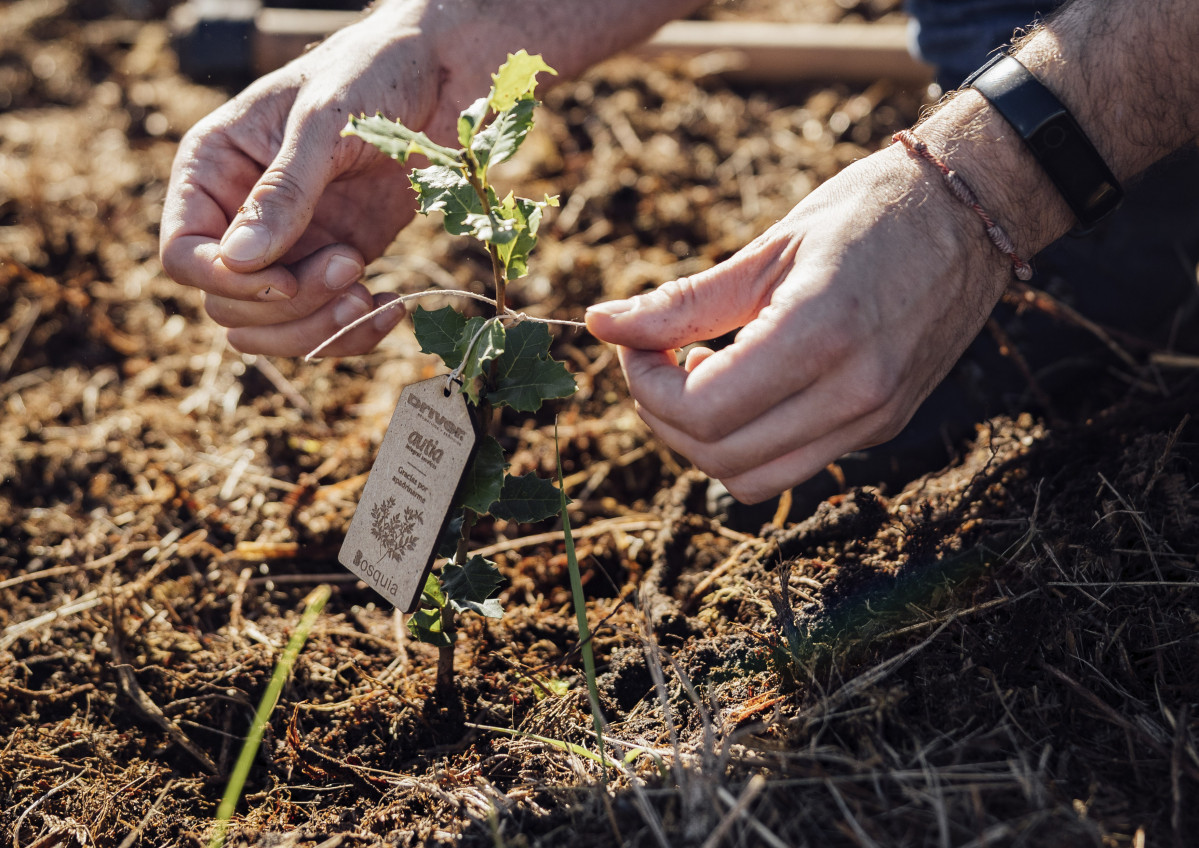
x=196, y=261
x=723, y=390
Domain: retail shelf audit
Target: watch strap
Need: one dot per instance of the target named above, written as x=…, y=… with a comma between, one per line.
x=1053, y=137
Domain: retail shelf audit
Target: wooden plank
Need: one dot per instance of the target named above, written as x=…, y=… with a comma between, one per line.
x=746, y=50
x=281, y=35
x=780, y=52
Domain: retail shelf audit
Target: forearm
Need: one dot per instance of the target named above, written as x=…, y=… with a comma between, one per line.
x=572, y=35
x=472, y=37
x=1128, y=72
x=1124, y=71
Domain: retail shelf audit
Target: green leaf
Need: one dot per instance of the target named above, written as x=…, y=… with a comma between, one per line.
x=475, y=581
x=503, y=136
x=399, y=142
x=516, y=78
x=488, y=345
x=433, y=594
x=426, y=626
x=448, y=334
x=470, y=587
x=525, y=375
x=554, y=686
x=470, y=119
x=576, y=591
x=439, y=331
x=527, y=498
x=481, y=485
x=490, y=608
x=447, y=545
x=446, y=190
x=525, y=215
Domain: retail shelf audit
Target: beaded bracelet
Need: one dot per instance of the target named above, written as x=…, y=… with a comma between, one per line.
x=959, y=189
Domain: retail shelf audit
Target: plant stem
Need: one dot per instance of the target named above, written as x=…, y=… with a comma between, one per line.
x=474, y=175
x=468, y=521
x=445, y=654
x=501, y=283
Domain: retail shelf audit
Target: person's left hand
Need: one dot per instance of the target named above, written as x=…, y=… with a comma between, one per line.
x=273, y=215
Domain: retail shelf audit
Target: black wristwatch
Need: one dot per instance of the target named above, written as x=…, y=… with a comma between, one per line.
x=1053, y=136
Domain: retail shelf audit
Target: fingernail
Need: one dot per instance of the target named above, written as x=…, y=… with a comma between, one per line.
x=349, y=309
x=385, y=321
x=246, y=243
x=612, y=307
x=341, y=271
x=270, y=293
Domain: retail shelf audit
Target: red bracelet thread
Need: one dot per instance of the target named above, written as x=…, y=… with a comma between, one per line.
x=959, y=189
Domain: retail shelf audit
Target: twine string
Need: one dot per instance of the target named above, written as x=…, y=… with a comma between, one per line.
x=455, y=376
x=512, y=316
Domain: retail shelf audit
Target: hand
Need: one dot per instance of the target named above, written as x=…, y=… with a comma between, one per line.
x=273, y=215
x=851, y=309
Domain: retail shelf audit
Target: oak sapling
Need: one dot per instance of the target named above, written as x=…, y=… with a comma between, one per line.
x=495, y=361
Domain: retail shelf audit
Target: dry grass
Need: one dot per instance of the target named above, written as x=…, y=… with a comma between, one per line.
x=1003, y=654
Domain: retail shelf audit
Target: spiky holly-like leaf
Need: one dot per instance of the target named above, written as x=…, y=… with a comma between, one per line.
x=481, y=485
x=527, y=498
x=525, y=375
x=470, y=120
x=482, y=341
x=525, y=215
x=399, y=142
x=444, y=189
x=432, y=595
x=448, y=543
x=426, y=624
x=470, y=586
x=446, y=333
x=439, y=331
x=490, y=608
x=500, y=139
x=516, y=78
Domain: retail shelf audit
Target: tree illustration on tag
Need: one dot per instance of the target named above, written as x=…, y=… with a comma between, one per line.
x=395, y=531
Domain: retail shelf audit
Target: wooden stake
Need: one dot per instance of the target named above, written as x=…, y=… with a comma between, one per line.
x=754, y=51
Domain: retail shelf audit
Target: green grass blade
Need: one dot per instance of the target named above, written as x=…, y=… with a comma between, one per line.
x=314, y=603
x=560, y=744
x=576, y=590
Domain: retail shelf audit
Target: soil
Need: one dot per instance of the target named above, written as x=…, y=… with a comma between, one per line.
x=1003, y=652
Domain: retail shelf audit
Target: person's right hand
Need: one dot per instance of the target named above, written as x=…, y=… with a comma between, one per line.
x=849, y=311
x=273, y=215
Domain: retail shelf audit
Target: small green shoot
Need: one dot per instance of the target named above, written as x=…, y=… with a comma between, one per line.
x=313, y=604
x=496, y=364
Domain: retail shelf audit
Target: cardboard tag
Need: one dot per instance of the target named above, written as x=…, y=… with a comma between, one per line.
x=393, y=537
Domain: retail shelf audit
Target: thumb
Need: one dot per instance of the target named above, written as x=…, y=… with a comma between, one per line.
x=280, y=206
x=689, y=309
